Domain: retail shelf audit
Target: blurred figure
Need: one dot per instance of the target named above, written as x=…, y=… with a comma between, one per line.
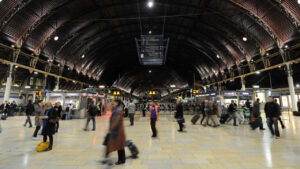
x=256, y=112
x=38, y=108
x=153, y=114
x=29, y=111
x=272, y=114
x=116, y=139
x=280, y=113
x=202, y=107
x=92, y=112
x=13, y=108
x=49, y=118
x=131, y=111
x=68, y=111
x=232, y=110
x=144, y=109
x=179, y=115
x=209, y=112
x=298, y=105
x=58, y=109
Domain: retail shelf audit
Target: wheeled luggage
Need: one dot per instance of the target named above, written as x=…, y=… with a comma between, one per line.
x=256, y=123
x=133, y=148
x=195, y=119
x=224, y=118
x=3, y=117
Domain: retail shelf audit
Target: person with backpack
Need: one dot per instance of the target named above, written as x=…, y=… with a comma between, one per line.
x=92, y=111
x=49, y=119
x=29, y=111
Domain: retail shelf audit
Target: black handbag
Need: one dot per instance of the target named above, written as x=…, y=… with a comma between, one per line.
x=105, y=142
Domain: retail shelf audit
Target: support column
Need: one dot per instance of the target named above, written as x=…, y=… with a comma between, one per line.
x=8, y=83
x=57, y=85
x=243, y=84
x=291, y=87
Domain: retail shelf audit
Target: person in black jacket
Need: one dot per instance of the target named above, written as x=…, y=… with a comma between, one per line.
x=232, y=109
x=58, y=109
x=49, y=118
x=279, y=118
x=92, y=111
x=272, y=114
x=179, y=115
x=29, y=111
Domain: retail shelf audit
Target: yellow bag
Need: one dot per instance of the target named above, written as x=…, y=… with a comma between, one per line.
x=43, y=146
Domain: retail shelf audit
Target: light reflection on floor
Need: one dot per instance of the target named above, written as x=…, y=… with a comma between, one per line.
x=200, y=147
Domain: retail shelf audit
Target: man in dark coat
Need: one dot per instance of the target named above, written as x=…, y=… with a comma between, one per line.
x=179, y=115
x=256, y=112
x=29, y=111
x=92, y=112
x=272, y=113
x=232, y=109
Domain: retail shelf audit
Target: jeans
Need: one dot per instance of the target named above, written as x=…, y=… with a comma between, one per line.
x=121, y=156
x=28, y=120
x=153, y=127
x=281, y=122
x=67, y=115
x=88, y=121
x=131, y=116
x=273, y=121
x=57, y=126
x=36, y=131
x=50, y=139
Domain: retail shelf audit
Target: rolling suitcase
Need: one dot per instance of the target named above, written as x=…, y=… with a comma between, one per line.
x=224, y=118
x=3, y=117
x=256, y=123
x=195, y=119
x=133, y=148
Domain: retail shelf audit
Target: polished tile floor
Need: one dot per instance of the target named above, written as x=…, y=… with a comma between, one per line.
x=226, y=147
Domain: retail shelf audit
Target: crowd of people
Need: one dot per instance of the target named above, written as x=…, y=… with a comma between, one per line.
x=47, y=119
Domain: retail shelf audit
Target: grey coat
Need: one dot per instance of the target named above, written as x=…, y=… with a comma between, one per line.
x=38, y=110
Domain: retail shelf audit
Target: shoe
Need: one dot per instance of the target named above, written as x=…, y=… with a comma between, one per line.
x=49, y=149
x=180, y=130
x=263, y=129
x=283, y=127
x=235, y=125
x=277, y=137
x=30, y=126
x=24, y=125
x=93, y=129
x=120, y=162
x=35, y=138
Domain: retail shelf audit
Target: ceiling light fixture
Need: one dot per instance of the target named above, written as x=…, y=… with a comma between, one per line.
x=142, y=55
x=218, y=56
x=172, y=86
x=150, y=4
x=35, y=73
x=286, y=46
x=16, y=67
x=245, y=39
x=27, y=87
x=298, y=2
x=150, y=71
x=83, y=56
x=298, y=85
x=56, y=38
x=13, y=46
x=150, y=32
x=101, y=86
x=257, y=72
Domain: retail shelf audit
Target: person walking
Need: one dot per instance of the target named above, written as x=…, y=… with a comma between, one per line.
x=202, y=106
x=92, y=111
x=272, y=114
x=179, y=115
x=38, y=108
x=153, y=115
x=58, y=109
x=67, y=112
x=29, y=111
x=209, y=112
x=232, y=110
x=131, y=111
x=144, y=109
x=49, y=121
x=115, y=139
x=256, y=113
x=280, y=113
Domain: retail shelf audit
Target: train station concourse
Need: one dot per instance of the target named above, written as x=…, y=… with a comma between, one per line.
x=149, y=84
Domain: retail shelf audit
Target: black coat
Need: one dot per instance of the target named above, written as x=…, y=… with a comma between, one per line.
x=179, y=111
x=232, y=108
x=272, y=109
x=49, y=124
x=29, y=109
